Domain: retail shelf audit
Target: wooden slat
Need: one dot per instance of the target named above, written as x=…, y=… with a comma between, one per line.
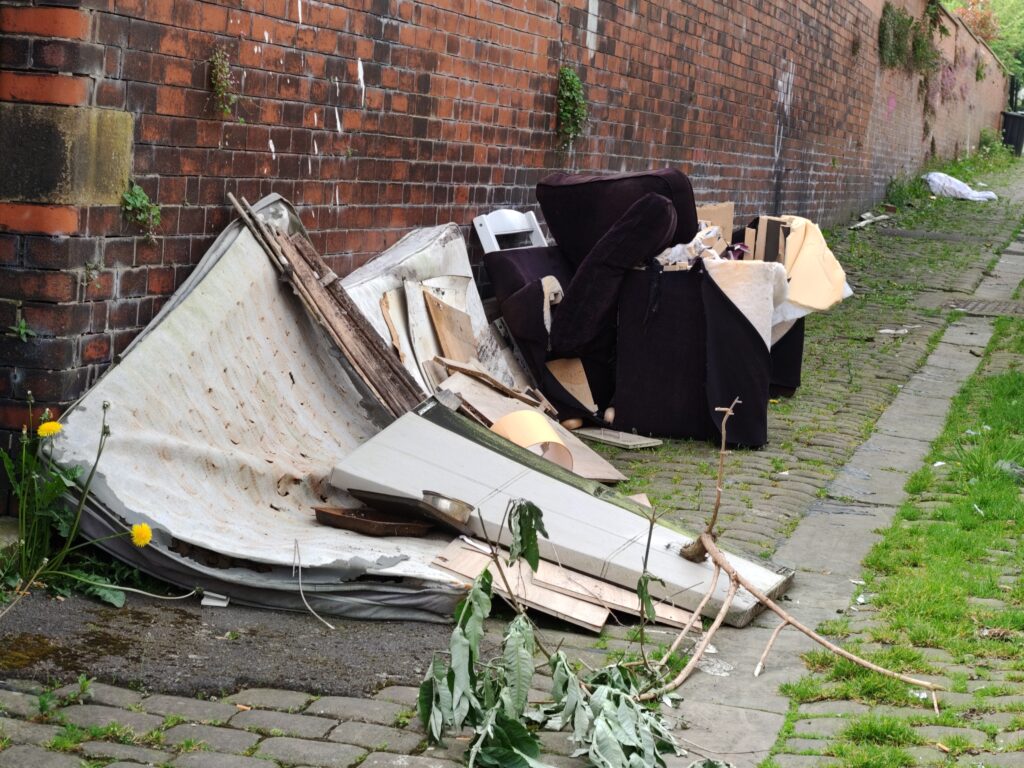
x=463, y=560
x=370, y=355
x=611, y=596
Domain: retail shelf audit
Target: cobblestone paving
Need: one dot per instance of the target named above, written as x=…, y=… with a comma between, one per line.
x=857, y=357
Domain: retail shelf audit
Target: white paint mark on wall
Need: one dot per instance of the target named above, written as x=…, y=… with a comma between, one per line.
x=266, y=36
x=362, y=84
x=273, y=150
x=593, y=13
x=337, y=195
x=784, y=99
x=299, y=4
x=337, y=119
x=316, y=148
x=309, y=165
x=316, y=119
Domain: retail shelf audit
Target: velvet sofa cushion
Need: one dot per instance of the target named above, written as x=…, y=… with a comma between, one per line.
x=512, y=269
x=584, y=321
x=579, y=209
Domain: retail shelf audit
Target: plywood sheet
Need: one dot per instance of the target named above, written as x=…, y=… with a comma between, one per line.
x=453, y=327
x=570, y=374
x=451, y=289
x=463, y=560
x=493, y=406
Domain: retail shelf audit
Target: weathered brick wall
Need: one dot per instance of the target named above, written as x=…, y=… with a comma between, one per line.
x=778, y=105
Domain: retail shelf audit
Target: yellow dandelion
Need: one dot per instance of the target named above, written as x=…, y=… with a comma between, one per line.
x=142, y=534
x=49, y=428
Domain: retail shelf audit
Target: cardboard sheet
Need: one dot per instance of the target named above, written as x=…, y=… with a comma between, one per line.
x=493, y=405
x=529, y=429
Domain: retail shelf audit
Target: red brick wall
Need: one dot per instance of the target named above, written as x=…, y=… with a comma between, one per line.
x=777, y=105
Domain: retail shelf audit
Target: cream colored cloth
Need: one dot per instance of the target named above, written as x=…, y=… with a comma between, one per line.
x=816, y=279
x=757, y=288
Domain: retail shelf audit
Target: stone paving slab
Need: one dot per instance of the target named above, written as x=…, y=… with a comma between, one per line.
x=217, y=739
x=19, y=704
x=306, y=752
x=99, y=693
x=23, y=756
x=21, y=732
x=362, y=710
x=379, y=738
x=216, y=760
x=95, y=715
x=128, y=752
x=271, y=698
x=283, y=723
x=191, y=709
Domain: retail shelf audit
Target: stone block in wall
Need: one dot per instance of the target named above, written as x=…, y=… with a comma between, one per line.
x=64, y=155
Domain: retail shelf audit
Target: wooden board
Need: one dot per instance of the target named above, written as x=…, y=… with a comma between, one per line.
x=425, y=345
x=570, y=374
x=475, y=371
x=394, y=317
x=463, y=560
x=322, y=294
x=566, y=582
x=453, y=327
x=618, y=439
x=493, y=405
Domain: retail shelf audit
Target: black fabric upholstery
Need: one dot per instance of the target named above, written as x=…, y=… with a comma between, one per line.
x=579, y=209
x=585, y=319
x=511, y=270
x=684, y=349
x=787, y=361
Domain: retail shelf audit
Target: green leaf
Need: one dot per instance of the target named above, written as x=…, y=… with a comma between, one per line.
x=644, y=593
x=605, y=751
x=463, y=699
x=525, y=522
x=518, y=665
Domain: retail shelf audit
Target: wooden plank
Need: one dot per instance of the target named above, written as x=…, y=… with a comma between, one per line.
x=616, y=598
x=477, y=372
x=425, y=345
x=390, y=322
x=369, y=354
x=453, y=327
x=466, y=561
x=493, y=405
x=570, y=374
x=619, y=439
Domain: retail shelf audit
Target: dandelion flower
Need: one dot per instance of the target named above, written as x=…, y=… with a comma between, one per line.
x=49, y=428
x=142, y=534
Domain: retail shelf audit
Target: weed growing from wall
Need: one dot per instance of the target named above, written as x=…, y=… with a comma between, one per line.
x=224, y=97
x=572, y=106
x=140, y=210
x=906, y=42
